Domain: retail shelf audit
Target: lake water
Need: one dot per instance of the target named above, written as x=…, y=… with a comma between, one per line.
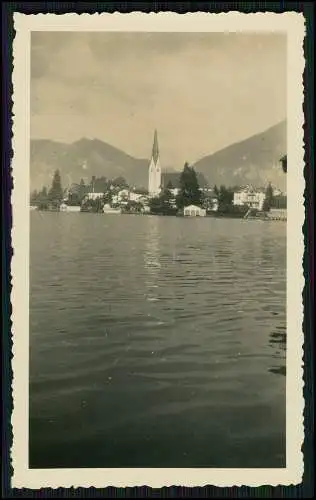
x=156, y=341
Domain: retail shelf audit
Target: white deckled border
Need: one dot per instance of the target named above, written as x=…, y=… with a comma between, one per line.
x=290, y=23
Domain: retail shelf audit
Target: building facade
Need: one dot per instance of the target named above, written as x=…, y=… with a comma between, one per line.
x=154, y=172
x=94, y=196
x=250, y=197
x=194, y=211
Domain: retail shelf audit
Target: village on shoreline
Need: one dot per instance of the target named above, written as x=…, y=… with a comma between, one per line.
x=182, y=197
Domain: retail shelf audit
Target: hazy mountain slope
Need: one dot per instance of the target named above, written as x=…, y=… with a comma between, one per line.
x=254, y=160
x=101, y=160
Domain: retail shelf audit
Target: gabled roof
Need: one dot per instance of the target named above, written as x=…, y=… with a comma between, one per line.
x=191, y=207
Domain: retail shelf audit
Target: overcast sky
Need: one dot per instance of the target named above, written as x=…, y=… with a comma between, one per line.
x=201, y=91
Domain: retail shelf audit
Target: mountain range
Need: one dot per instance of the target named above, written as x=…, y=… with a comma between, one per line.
x=251, y=161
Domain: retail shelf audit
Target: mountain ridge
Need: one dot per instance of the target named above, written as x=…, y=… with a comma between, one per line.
x=253, y=160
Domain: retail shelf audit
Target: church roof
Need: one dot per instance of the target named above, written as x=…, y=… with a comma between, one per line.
x=155, y=151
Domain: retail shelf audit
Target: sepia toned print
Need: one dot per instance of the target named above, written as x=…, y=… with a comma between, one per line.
x=162, y=290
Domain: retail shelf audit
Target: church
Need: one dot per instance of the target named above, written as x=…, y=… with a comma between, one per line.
x=154, y=173
x=157, y=180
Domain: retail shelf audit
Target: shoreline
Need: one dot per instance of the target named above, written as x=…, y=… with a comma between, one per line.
x=207, y=216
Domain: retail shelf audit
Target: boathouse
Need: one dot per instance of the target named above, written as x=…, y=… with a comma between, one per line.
x=194, y=211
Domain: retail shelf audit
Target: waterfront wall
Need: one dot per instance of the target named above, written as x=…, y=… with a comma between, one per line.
x=277, y=214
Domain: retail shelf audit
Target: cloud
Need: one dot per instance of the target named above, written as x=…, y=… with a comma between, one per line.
x=202, y=91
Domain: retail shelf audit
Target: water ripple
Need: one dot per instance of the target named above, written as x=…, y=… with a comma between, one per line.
x=156, y=342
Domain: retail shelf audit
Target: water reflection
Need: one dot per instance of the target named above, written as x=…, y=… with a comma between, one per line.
x=277, y=341
x=158, y=346
x=152, y=257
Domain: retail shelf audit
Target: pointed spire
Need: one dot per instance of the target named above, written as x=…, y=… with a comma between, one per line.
x=155, y=152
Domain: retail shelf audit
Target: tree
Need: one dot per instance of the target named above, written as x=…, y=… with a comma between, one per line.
x=134, y=206
x=42, y=203
x=107, y=197
x=163, y=204
x=119, y=182
x=56, y=191
x=169, y=185
x=225, y=197
x=216, y=190
x=268, y=199
x=92, y=205
x=82, y=190
x=190, y=193
x=34, y=197
x=74, y=199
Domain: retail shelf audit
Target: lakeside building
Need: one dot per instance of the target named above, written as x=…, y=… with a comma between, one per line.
x=93, y=196
x=125, y=195
x=194, y=211
x=249, y=196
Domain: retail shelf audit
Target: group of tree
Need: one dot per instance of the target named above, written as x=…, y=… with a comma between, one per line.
x=189, y=194
x=225, y=197
x=164, y=204
x=95, y=206
x=268, y=202
x=52, y=198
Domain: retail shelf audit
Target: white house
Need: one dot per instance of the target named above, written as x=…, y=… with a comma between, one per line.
x=194, y=211
x=135, y=196
x=175, y=191
x=94, y=196
x=249, y=196
x=123, y=194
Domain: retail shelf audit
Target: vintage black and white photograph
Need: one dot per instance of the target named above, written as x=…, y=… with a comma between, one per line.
x=157, y=207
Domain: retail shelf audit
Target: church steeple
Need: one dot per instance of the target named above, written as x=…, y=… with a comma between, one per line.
x=154, y=172
x=155, y=151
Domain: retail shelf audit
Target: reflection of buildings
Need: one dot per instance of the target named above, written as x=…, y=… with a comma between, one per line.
x=152, y=250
